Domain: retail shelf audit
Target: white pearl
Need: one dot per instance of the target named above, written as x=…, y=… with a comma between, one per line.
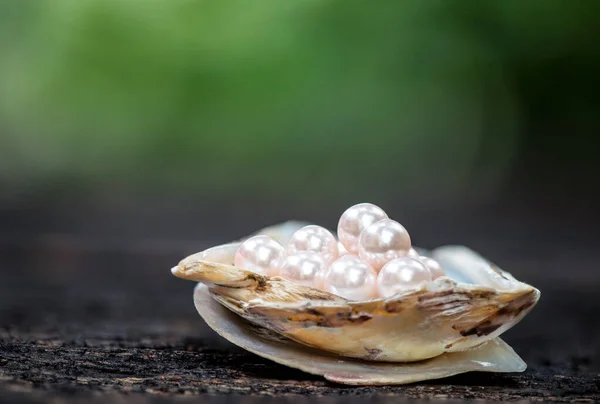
x=382, y=242
x=316, y=239
x=260, y=254
x=342, y=250
x=351, y=278
x=413, y=253
x=435, y=268
x=354, y=220
x=319, y=282
x=303, y=267
x=401, y=274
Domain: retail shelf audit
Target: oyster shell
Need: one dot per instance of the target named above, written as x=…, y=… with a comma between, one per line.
x=492, y=356
x=446, y=327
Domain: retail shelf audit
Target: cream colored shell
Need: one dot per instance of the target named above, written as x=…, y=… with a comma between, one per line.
x=443, y=317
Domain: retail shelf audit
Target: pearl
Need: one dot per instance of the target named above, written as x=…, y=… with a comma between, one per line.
x=434, y=267
x=260, y=254
x=316, y=239
x=382, y=242
x=351, y=278
x=303, y=267
x=320, y=278
x=342, y=250
x=401, y=274
x=413, y=253
x=319, y=282
x=354, y=220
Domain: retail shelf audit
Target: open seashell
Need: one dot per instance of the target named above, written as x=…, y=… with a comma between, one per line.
x=445, y=327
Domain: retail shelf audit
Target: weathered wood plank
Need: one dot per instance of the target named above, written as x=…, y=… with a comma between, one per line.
x=78, y=324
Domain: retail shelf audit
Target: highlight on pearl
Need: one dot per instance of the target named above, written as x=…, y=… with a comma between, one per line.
x=351, y=278
x=316, y=239
x=401, y=274
x=356, y=219
x=342, y=250
x=260, y=254
x=413, y=253
x=382, y=242
x=434, y=267
x=304, y=267
x=320, y=278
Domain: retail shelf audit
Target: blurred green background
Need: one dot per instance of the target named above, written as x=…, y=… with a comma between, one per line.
x=298, y=103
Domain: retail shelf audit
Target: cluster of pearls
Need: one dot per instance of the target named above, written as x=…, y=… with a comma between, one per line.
x=373, y=257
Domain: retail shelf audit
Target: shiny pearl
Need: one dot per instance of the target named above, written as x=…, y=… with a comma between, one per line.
x=435, y=269
x=303, y=267
x=260, y=254
x=316, y=239
x=342, y=250
x=382, y=242
x=351, y=278
x=401, y=274
x=413, y=253
x=319, y=282
x=354, y=220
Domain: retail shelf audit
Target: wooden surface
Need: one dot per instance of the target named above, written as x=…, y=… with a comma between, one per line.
x=83, y=319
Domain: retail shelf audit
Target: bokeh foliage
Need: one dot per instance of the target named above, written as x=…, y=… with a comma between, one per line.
x=339, y=98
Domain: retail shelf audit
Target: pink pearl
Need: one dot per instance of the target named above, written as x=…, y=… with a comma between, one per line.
x=303, y=267
x=316, y=239
x=413, y=253
x=351, y=278
x=342, y=250
x=382, y=242
x=434, y=267
x=260, y=254
x=354, y=220
x=320, y=279
x=401, y=274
